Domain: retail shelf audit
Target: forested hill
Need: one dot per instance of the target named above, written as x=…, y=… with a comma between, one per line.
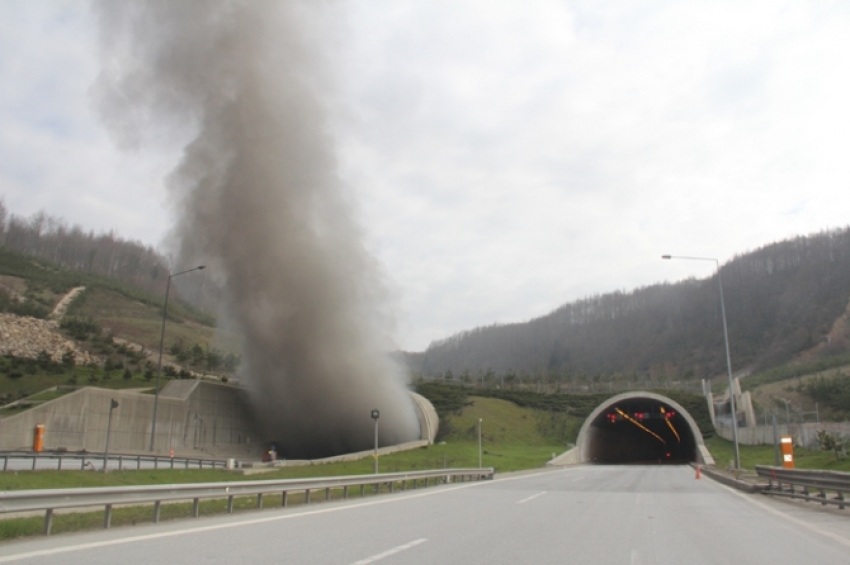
x=781, y=300
x=105, y=254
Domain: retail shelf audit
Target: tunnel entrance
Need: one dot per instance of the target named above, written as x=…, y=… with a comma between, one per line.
x=640, y=427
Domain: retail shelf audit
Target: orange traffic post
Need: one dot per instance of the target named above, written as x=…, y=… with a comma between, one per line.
x=787, y=444
x=697, y=471
x=38, y=439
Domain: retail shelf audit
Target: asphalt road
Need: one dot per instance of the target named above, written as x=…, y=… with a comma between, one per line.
x=589, y=514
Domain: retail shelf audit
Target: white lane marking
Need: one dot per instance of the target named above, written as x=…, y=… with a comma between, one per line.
x=840, y=539
x=635, y=559
x=532, y=497
x=250, y=522
x=389, y=552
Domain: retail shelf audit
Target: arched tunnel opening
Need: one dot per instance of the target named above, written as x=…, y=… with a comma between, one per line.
x=646, y=429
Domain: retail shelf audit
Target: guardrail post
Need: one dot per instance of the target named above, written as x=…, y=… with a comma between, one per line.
x=307, y=496
x=260, y=500
x=345, y=492
x=328, y=493
x=403, y=485
x=138, y=462
x=155, y=462
x=60, y=462
x=196, y=510
x=230, y=504
x=823, y=496
x=362, y=490
x=48, y=521
x=391, y=486
x=107, y=517
x=284, y=500
x=34, y=459
x=172, y=462
x=377, y=488
x=120, y=462
x=186, y=461
x=5, y=462
x=841, y=498
x=157, y=506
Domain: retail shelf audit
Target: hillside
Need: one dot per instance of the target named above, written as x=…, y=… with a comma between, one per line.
x=785, y=300
x=107, y=336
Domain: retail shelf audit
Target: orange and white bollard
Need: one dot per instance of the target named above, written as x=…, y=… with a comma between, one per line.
x=171, y=453
x=698, y=473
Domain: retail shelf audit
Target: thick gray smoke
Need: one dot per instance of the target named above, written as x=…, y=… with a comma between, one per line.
x=260, y=204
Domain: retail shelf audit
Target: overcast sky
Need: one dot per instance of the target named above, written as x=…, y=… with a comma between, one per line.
x=504, y=157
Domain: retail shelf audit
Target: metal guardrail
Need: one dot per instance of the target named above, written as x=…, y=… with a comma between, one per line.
x=785, y=482
x=77, y=460
x=53, y=499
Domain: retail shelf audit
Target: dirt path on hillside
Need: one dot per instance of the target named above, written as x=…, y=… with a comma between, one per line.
x=63, y=304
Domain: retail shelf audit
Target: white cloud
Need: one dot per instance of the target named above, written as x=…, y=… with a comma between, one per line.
x=506, y=157
x=515, y=159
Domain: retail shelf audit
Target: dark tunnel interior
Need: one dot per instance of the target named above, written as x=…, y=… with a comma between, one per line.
x=640, y=430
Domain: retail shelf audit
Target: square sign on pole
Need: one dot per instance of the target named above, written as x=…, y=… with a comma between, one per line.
x=787, y=444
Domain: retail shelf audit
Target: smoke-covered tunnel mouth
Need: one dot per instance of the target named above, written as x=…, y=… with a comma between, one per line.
x=640, y=430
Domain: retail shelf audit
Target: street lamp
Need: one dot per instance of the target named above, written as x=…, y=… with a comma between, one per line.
x=728, y=356
x=113, y=404
x=480, y=460
x=161, y=342
x=375, y=415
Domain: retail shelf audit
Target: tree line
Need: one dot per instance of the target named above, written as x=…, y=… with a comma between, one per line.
x=106, y=254
x=781, y=300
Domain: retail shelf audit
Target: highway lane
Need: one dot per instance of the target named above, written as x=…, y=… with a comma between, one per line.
x=630, y=515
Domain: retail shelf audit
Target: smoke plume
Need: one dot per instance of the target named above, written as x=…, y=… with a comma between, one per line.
x=260, y=204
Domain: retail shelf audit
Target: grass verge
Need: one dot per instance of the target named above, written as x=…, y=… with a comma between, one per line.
x=751, y=455
x=70, y=521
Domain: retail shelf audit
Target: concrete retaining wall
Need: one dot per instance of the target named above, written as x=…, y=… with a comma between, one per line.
x=194, y=418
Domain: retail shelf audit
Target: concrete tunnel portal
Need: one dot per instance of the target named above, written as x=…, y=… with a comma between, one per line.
x=640, y=427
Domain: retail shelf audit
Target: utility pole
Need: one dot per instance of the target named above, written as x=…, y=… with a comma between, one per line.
x=480, y=453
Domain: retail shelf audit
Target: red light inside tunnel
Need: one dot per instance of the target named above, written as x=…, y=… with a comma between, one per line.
x=639, y=415
x=669, y=415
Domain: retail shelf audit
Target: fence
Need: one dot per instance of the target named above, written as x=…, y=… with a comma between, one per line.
x=27, y=460
x=53, y=499
x=784, y=482
x=573, y=386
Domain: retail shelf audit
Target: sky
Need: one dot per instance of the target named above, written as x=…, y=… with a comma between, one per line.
x=502, y=158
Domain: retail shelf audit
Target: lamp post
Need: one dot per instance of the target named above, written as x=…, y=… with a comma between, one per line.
x=732, y=408
x=113, y=404
x=480, y=453
x=161, y=342
x=375, y=415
